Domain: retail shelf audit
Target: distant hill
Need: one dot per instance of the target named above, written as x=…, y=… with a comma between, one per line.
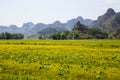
x=49, y=31
x=109, y=22
x=30, y=28
x=70, y=23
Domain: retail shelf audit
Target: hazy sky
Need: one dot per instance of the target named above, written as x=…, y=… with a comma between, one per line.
x=47, y=11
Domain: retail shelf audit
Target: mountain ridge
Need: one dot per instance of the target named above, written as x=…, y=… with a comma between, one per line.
x=30, y=28
x=109, y=22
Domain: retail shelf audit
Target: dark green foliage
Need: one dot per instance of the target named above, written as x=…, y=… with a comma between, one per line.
x=56, y=36
x=117, y=34
x=98, y=33
x=6, y=35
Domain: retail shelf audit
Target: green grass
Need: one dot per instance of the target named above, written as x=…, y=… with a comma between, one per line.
x=59, y=60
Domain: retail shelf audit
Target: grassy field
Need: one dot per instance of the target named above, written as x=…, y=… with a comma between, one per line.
x=60, y=60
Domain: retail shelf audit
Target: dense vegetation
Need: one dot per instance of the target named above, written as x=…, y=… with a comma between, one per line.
x=117, y=34
x=59, y=59
x=6, y=35
x=81, y=31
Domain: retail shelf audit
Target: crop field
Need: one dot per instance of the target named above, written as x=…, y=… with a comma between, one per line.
x=59, y=59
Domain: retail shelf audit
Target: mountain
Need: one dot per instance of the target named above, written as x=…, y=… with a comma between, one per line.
x=11, y=29
x=49, y=31
x=70, y=23
x=109, y=22
x=79, y=27
x=57, y=26
x=30, y=28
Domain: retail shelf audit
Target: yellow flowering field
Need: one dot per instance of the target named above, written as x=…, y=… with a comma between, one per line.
x=60, y=60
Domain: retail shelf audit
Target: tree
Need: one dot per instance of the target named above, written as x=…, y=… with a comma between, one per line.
x=6, y=35
x=117, y=34
x=20, y=36
x=98, y=33
x=56, y=36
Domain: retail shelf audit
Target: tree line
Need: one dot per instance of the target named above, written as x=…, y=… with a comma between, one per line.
x=6, y=35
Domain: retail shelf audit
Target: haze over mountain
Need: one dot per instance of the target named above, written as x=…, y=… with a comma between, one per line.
x=109, y=22
x=30, y=28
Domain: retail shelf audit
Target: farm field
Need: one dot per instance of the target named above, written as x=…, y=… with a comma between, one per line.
x=59, y=59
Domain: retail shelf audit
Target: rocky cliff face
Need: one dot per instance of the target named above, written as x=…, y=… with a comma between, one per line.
x=109, y=22
x=80, y=27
